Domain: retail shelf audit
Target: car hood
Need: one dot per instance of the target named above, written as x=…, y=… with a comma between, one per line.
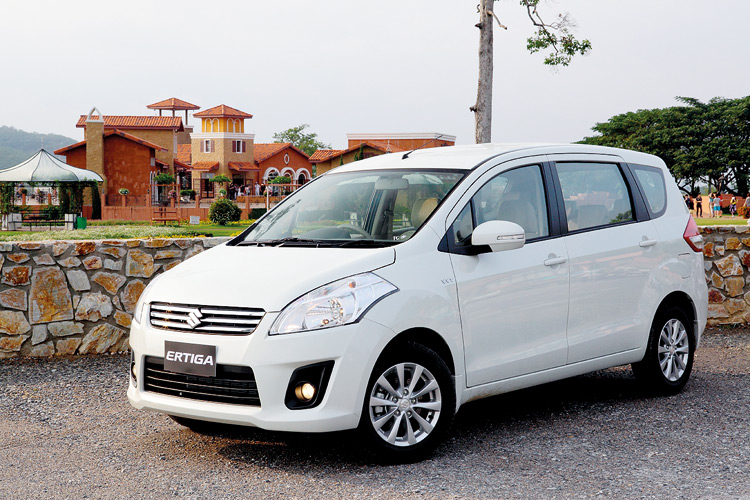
x=262, y=277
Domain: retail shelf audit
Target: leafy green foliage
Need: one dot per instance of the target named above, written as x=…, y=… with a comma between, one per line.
x=308, y=143
x=701, y=143
x=223, y=211
x=220, y=178
x=164, y=178
x=555, y=35
x=281, y=179
x=96, y=201
x=187, y=192
x=123, y=191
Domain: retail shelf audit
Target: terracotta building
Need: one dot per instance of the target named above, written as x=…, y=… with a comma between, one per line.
x=166, y=131
x=122, y=159
x=361, y=146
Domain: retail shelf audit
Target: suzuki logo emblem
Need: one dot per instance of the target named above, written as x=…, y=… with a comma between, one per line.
x=193, y=319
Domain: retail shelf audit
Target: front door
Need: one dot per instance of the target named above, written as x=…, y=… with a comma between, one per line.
x=514, y=303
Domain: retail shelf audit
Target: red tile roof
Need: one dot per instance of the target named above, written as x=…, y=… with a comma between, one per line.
x=173, y=104
x=138, y=122
x=325, y=154
x=120, y=133
x=184, y=153
x=222, y=111
x=243, y=166
x=322, y=155
x=205, y=165
x=162, y=164
x=180, y=165
x=263, y=151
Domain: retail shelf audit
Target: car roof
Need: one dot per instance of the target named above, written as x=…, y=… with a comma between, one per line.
x=468, y=157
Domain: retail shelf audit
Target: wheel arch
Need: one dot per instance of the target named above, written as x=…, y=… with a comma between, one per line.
x=428, y=338
x=683, y=301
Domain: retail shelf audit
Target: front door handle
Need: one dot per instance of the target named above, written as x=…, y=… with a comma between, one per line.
x=555, y=261
x=647, y=243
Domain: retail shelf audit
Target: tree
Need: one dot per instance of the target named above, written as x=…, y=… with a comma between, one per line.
x=701, y=143
x=308, y=143
x=554, y=35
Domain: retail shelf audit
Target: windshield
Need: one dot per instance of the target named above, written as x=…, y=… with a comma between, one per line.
x=366, y=208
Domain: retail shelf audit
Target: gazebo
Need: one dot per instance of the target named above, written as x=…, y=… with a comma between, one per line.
x=44, y=169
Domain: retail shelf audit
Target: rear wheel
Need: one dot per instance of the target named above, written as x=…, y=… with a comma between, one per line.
x=409, y=404
x=668, y=361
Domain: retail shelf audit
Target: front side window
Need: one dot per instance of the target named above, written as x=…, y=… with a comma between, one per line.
x=366, y=207
x=516, y=196
x=595, y=194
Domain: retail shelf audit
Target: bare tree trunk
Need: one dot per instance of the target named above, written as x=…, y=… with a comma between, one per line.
x=483, y=108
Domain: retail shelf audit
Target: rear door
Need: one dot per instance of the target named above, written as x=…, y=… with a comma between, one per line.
x=513, y=304
x=613, y=250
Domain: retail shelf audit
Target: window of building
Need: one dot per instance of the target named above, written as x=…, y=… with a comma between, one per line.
x=207, y=146
x=238, y=147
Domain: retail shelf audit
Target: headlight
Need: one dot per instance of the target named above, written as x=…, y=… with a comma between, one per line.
x=338, y=303
x=140, y=307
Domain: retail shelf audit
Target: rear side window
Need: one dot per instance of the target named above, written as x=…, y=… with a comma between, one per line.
x=595, y=195
x=651, y=181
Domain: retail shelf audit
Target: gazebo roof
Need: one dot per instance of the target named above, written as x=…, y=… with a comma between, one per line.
x=44, y=167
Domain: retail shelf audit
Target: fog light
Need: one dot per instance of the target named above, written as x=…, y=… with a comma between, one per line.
x=305, y=391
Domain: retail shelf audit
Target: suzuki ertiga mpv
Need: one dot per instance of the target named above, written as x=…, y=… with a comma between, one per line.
x=388, y=292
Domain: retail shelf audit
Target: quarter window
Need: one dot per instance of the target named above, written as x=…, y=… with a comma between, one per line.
x=595, y=195
x=653, y=187
x=516, y=196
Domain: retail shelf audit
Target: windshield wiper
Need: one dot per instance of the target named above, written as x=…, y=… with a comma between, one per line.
x=366, y=243
x=289, y=241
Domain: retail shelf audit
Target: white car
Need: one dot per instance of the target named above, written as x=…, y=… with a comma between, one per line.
x=387, y=293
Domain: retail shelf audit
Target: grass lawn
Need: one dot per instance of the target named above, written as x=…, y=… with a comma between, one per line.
x=725, y=220
x=104, y=230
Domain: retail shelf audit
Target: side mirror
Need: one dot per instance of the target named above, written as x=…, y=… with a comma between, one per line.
x=500, y=235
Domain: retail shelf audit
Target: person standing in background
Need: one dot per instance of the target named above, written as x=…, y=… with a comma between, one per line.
x=699, y=205
x=733, y=206
x=717, y=205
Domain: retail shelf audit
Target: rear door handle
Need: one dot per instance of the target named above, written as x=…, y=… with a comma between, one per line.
x=555, y=261
x=647, y=243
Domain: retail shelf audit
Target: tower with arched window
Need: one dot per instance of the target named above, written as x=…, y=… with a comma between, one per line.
x=222, y=147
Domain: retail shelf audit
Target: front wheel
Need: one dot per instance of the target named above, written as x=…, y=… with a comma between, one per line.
x=409, y=404
x=668, y=361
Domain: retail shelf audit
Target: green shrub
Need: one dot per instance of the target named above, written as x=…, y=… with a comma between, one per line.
x=220, y=178
x=223, y=211
x=256, y=213
x=164, y=178
x=281, y=179
x=53, y=212
x=187, y=192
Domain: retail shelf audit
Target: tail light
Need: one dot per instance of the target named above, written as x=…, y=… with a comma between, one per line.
x=692, y=236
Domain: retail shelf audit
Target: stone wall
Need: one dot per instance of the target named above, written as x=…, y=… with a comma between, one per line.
x=78, y=297
x=727, y=259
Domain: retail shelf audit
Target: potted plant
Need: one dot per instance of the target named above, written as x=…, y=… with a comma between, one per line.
x=124, y=192
x=221, y=180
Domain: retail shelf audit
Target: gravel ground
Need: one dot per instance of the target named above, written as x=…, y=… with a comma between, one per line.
x=68, y=432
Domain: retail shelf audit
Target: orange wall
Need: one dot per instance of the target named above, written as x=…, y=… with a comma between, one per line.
x=126, y=165
x=296, y=161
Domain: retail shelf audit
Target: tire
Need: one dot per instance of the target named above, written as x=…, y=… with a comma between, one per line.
x=666, y=366
x=409, y=404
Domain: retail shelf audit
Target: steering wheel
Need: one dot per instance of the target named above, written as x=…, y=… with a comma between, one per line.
x=355, y=229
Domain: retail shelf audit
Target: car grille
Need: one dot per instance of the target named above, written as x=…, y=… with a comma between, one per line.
x=205, y=319
x=232, y=384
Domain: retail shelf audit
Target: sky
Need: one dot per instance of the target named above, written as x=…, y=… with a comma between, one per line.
x=348, y=66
